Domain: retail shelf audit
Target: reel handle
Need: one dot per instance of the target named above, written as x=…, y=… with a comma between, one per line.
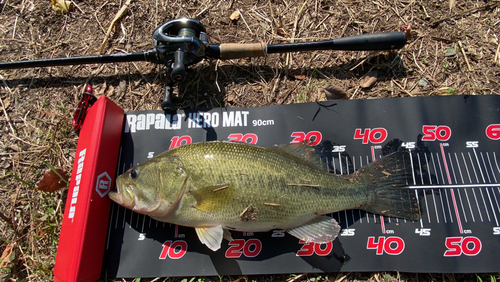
x=178, y=72
x=166, y=104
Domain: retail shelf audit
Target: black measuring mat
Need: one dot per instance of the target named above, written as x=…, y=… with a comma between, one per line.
x=454, y=144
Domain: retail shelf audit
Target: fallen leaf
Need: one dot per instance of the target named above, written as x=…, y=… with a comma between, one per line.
x=61, y=6
x=452, y=4
x=450, y=52
x=14, y=147
x=333, y=92
x=121, y=89
x=6, y=103
x=231, y=97
x=101, y=89
x=8, y=255
x=235, y=16
x=297, y=74
x=51, y=182
x=368, y=79
x=110, y=92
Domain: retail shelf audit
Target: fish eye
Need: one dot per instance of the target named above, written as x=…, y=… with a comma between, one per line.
x=133, y=174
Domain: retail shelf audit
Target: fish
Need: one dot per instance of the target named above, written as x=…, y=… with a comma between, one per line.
x=221, y=186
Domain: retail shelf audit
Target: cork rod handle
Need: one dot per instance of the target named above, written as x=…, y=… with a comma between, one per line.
x=235, y=51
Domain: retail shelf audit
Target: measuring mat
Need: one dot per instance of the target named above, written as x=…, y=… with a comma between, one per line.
x=454, y=143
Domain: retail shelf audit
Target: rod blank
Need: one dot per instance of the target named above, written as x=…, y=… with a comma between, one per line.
x=363, y=42
x=100, y=59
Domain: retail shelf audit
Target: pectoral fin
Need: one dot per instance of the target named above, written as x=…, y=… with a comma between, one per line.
x=322, y=229
x=211, y=236
x=212, y=198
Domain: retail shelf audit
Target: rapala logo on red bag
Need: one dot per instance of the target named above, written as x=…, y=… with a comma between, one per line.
x=76, y=188
x=103, y=184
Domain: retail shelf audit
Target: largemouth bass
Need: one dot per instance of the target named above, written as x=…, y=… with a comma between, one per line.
x=220, y=186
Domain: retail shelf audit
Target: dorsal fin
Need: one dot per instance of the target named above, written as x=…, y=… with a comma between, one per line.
x=305, y=153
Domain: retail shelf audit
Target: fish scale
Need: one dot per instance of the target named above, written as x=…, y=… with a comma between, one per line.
x=213, y=186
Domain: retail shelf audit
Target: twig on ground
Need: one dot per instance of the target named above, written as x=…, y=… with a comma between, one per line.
x=140, y=72
x=6, y=115
x=497, y=55
x=288, y=93
x=402, y=88
x=97, y=20
x=201, y=12
x=415, y=60
x=118, y=16
x=341, y=278
x=7, y=220
x=425, y=12
x=488, y=6
x=297, y=17
x=296, y=277
x=373, y=54
x=74, y=4
x=14, y=30
x=465, y=56
x=92, y=75
x=261, y=16
x=397, y=14
x=243, y=18
x=355, y=92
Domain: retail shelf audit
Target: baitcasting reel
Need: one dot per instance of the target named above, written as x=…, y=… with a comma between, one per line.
x=179, y=43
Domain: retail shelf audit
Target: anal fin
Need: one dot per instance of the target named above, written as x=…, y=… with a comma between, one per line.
x=322, y=229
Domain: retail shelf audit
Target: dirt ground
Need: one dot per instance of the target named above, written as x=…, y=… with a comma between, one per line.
x=453, y=49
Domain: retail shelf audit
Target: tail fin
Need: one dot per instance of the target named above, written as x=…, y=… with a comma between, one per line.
x=386, y=181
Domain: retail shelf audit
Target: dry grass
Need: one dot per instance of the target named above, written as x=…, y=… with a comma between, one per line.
x=454, y=50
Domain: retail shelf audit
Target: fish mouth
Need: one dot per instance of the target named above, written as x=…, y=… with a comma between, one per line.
x=125, y=196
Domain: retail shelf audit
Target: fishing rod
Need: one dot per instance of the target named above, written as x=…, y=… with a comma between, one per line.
x=183, y=42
